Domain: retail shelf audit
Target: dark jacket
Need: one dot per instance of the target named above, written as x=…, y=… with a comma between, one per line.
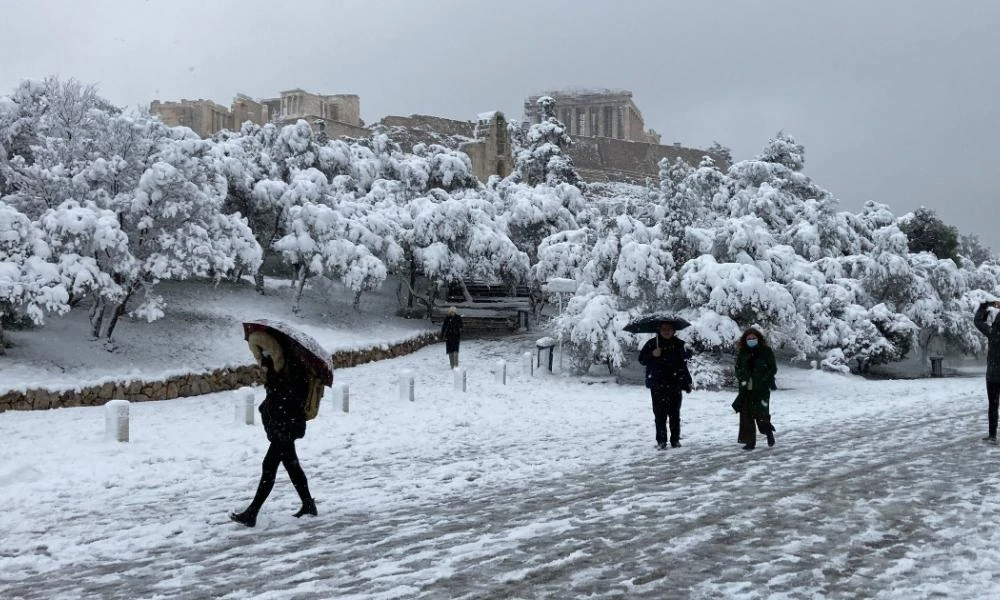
x=755, y=371
x=993, y=336
x=451, y=331
x=283, y=410
x=670, y=369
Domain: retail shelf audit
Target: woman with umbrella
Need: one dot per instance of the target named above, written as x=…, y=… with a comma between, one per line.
x=287, y=382
x=667, y=375
x=755, y=371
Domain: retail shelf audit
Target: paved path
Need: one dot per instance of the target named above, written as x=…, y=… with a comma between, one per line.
x=879, y=506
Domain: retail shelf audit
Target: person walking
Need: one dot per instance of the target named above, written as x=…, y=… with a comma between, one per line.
x=755, y=371
x=282, y=413
x=992, y=333
x=667, y=377
x=451, y=332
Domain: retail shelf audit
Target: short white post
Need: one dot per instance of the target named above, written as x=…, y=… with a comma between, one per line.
x=460, y=379
x=244, y=407
x=528, y=364
x=345, y=401
x=116, y=420
x=406, y=385
x=502, y=372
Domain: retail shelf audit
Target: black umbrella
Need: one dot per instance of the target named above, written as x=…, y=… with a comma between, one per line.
x=306, y=349
x=651, y=323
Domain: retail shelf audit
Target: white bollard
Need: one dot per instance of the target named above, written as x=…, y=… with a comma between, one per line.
x=345, y=397
x=406, y=386
x=245, y=407
x=116, y=420
x=527, y=364
x=461, y=380
x=502, y=372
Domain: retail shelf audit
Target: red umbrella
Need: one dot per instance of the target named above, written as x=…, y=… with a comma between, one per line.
x=306, y=349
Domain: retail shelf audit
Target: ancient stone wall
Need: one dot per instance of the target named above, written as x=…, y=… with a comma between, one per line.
x=607, y=159
x=194, y=384
x=438, y=125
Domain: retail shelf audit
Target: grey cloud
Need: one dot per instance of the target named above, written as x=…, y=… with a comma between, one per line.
x=894, y=100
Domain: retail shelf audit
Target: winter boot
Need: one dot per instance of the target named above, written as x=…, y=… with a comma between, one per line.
x=770, y=438
x=247, y=517
x=749, y=447
x=990, y=439
x=308, y=508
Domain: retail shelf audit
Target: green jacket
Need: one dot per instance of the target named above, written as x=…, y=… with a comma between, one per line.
x=755, y=370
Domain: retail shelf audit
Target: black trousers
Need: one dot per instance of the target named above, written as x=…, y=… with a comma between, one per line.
x=993, y=399
x=667, y=407
x=280, y=453
x=747, y=433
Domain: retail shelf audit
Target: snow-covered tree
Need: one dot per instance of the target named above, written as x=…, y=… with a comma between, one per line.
x=176, y=230
x=53, y=130
x=972, y=249
x=532, y=213
x=544, y=158
x=626, y=274
x=326, y=235
x=30, y=284
x=456, y=238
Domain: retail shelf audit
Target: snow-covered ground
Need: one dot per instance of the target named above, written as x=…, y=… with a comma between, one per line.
x=201, y=331
x=548, y=487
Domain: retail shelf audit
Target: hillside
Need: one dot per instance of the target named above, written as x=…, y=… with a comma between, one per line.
x=201, y=331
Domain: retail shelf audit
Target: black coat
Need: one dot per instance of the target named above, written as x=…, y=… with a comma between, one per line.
x=670, y=369
x=283, y=410
x=755, y=371
x=993, y=335
x=451, y=331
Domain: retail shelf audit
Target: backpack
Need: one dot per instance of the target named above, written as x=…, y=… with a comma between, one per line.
x=313, y=396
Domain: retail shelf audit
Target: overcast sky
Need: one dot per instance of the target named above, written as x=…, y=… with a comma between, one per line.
x=895, y=100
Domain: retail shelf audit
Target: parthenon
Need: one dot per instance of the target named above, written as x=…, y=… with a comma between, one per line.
x=596, y=113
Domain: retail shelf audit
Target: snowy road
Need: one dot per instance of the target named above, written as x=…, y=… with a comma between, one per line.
x=866, y=495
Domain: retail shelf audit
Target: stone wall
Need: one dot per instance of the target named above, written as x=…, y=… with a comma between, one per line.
x=194, y=384
x=607, y=159
x=438, y=125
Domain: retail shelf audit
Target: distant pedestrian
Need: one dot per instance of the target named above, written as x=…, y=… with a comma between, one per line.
x=451, y=332
x=755, y=371
x=992, y=333
x=282, y=412
x=667, y=376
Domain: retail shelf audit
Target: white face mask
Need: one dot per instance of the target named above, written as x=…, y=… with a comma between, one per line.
x=752, y=343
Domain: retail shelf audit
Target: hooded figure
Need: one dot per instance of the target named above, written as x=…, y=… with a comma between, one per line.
x=282, y=413
x=451, y=332
x=667, y=376
x=755, y=371
x=992, y=334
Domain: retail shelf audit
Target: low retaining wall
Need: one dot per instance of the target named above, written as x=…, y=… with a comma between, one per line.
x=219, y=380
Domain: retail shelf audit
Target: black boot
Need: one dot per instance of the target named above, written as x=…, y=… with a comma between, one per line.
x=247, y=517
x=308, y=508
x=770, y=438
x=749, y=447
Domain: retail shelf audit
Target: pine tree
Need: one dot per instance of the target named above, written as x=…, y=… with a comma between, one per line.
x=544, y=158
x=928, y=233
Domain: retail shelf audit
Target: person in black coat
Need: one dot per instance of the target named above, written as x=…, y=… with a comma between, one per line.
x=992, y=334
x=667, y=377
x=451, y=332
x=755, y=371
x=282, y=413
